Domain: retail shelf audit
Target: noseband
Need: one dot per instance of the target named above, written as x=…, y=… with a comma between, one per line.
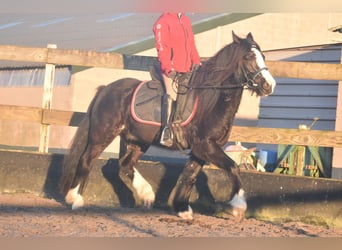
x=250, y=81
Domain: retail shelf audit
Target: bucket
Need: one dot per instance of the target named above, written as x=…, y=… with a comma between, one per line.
x=268, y=159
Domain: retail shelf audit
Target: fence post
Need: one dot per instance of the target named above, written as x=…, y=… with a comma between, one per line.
x=46, y=103
x=337, y=159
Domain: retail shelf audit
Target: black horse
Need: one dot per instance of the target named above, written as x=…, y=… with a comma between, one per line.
x=215, y=90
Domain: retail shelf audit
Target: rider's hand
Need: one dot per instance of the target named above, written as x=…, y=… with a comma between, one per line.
x=195, y=67
x=171, y=74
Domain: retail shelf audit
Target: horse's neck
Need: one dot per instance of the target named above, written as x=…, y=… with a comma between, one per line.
x=231, y=102
x=231, y=105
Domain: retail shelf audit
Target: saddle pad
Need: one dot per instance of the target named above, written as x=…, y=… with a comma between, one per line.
x=147, y=101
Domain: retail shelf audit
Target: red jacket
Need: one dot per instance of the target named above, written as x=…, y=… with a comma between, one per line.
x=175, y=43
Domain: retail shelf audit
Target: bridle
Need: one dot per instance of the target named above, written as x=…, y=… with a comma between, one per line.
x=248, y=84
x=250, y=81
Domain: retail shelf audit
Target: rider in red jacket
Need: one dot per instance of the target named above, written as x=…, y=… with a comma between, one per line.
x=175, y=43
x=177, y=53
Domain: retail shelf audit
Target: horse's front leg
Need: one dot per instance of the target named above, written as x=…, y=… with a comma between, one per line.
x=184, y=186
x=127, y=169
x=213, y=153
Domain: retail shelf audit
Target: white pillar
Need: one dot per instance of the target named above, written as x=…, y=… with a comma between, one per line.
x=46, y=104
x=337, y=156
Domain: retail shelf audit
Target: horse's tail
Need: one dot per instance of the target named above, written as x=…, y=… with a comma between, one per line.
x=77, y=148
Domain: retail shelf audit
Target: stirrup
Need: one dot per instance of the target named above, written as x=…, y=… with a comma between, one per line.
x=166, y=137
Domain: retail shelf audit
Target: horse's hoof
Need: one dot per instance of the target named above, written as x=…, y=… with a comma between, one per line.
x=239, y=205
x=147, y=196
x=69, y=199
x=239, y=213
x=148, y=201
x=78, y=203
x=186, y=215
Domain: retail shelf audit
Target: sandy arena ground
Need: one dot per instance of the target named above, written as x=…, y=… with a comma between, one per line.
x=27, y=215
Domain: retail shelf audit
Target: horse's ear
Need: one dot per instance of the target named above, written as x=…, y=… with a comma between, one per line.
x=236, y=39
x=250, y=37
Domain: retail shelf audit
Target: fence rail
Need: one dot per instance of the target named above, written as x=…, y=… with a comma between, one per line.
x=239, y=133
x=318, y=71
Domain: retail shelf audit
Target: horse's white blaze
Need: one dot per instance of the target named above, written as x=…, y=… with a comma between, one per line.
x=239, y=200
x=143, y=188
x=74, y=198
x=186, y=215
x=261, y=64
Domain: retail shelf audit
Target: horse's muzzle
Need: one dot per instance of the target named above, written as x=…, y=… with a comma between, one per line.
x=266, y=88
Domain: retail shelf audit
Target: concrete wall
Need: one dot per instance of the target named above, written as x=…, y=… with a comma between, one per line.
x=272, y=197
x=277, y=30
x=272, y=31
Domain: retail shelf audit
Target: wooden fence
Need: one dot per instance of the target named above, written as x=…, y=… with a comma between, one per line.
x=318, y=71
x=47, y=116
x=239, y=133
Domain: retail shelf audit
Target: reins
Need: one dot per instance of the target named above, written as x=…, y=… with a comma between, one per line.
x=249, y=84
x=213, y=87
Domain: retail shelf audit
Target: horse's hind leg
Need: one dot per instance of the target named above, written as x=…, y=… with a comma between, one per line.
x=127, y=169
x=85, y=164
x=74, y=195
x=184, y=186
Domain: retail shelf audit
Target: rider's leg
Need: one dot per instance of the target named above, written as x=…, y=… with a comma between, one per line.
x=171, y=89
x=166, y=138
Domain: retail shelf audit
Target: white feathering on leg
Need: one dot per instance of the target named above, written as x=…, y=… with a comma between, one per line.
x=239, y=203
x=239, y=200
x=71, y=196
x=78, y=203
x=74, y=198
x=143, y=188
x=186, y=215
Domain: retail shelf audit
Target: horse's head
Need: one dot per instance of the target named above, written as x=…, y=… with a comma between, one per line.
x=253, y=69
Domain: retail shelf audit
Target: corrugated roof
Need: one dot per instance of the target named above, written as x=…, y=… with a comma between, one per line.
x=33, y=76
x=14, y=65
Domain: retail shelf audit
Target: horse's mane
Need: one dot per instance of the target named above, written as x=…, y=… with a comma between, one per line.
x=223, y=64
x=223, y=69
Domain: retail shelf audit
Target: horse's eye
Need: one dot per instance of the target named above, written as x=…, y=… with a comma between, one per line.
x=248, y=56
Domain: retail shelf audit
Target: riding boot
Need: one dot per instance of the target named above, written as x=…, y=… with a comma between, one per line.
x=166, y=138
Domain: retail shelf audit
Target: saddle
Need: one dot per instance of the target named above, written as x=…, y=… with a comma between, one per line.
x=146, y=103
